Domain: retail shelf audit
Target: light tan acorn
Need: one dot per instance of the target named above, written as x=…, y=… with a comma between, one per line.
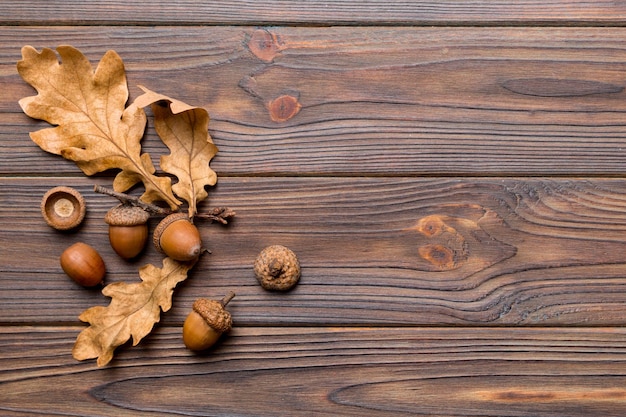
x=277, y=268
x=128, y=229
x=207, y=321
x=83, y=264
x=178, y=238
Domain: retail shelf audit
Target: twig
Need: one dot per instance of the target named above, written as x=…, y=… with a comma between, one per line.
x=133, y=201
x=219, y=214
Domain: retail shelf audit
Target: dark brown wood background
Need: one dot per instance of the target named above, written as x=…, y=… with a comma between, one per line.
x=344, y=129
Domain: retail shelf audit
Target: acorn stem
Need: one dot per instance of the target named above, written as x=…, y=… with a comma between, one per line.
x=227, y=298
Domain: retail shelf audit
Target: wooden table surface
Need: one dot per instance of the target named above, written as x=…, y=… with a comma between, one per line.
x=343, y=128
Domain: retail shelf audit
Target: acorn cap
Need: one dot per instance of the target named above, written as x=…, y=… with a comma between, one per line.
x=125, y=215
x=213, y=313
x=158, y=231
x=63, y=208
x=277, y=268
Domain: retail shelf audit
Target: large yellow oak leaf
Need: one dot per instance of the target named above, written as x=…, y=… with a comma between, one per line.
x=184, y=130
x=133, y=311
x=92, y=126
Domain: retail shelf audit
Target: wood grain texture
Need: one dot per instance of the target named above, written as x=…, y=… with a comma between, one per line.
x=324, y=371
x=388, y=251
x=364, y=101
x=450, y=174
x=333, y=12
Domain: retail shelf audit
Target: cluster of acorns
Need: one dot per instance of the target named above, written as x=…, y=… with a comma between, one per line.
x=276, y=267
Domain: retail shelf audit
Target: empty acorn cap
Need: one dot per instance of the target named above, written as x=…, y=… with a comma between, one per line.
x=63, y=208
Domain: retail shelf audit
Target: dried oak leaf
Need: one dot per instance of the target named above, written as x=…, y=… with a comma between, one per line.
x=92, y=126
x=184, y=130
x=133, y=311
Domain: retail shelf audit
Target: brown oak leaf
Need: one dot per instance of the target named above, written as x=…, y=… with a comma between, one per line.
x=133, y=311
x=184, y=130
x=92, y=127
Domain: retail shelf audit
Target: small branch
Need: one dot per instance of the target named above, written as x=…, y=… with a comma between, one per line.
x=133, y=201
x=218, y=214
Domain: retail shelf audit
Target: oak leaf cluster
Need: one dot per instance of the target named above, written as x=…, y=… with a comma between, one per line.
x=92, y=125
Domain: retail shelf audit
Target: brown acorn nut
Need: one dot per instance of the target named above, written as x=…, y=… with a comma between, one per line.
x=128, y=229
x=178, y=238
x=83, y=264
x=277, y=268
x=63, y=208
x=206, y=323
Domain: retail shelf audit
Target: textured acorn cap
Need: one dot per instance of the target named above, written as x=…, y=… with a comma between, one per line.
x=158, y=231
x=277, y=268
x=63, y=208
x=124, y=215
x=214, y=314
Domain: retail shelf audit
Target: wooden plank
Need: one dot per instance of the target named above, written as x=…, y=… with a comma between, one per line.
x=388, y=251
x=282, y=12
x=363, y=101
x=325, y=371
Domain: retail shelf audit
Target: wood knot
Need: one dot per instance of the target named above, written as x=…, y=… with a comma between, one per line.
x=458, y=241
x=284, y=108
x=264, y=44
x=446, y=248
x=430, y=226
x=438, y=255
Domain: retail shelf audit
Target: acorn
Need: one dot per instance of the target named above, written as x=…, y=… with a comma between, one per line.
x=277, y=268
x=207, y=321
x=128, y=229
x=178, y=238
x=83, y=264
